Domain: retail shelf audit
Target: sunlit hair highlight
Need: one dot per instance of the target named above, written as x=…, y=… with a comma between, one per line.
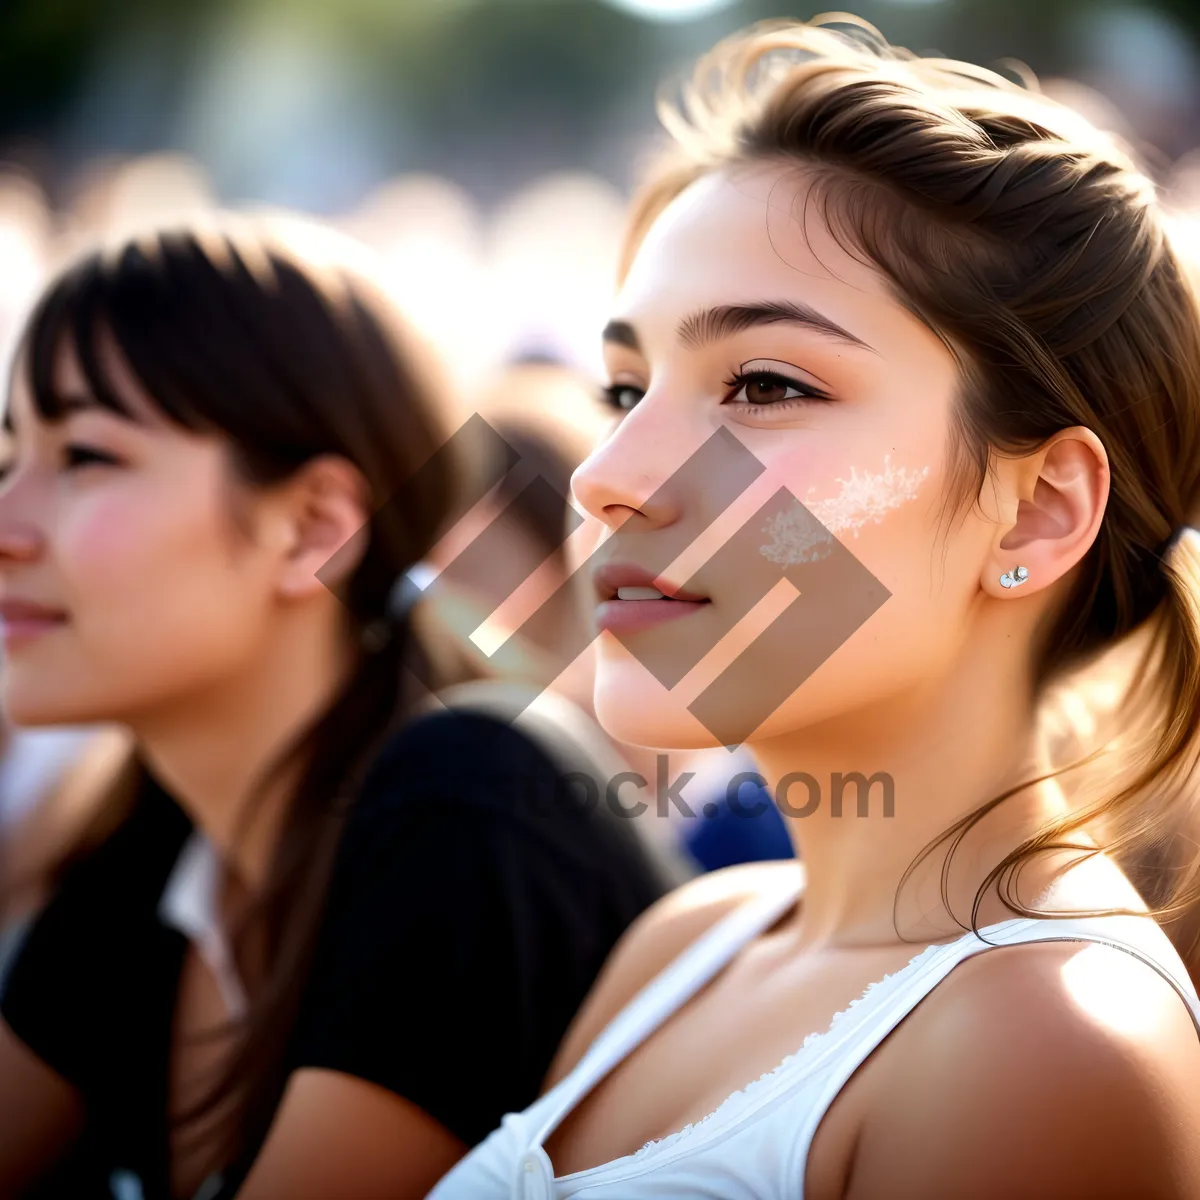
x=1033, y=245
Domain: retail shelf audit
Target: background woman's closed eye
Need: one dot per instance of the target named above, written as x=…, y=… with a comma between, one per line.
x=77, y=457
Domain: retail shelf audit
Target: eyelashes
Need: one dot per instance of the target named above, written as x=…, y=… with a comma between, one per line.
x=762, y=390
x=76, y=455
x=769, y=391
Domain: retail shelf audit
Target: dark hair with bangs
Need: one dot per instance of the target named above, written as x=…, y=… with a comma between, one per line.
x=284, y=349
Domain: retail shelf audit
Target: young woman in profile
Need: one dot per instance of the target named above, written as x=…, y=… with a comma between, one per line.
x=280, y=975
x=918, y=334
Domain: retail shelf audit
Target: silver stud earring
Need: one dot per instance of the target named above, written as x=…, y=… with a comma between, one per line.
x=1015, y=577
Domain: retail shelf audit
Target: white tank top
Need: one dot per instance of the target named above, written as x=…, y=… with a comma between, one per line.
x=755, y=1145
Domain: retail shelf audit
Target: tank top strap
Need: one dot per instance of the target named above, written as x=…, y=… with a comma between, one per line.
x=1128, y=933
x=668, y=991
x=1135, y=935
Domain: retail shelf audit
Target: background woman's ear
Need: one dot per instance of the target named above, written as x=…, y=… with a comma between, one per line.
x=328, y=503
x=1053, y=502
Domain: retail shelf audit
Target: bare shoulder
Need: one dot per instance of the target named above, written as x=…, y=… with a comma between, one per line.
x=1040, y=1070
x=657, y=938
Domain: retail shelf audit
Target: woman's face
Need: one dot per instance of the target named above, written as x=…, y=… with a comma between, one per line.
x=784, y=458
x=125, y=585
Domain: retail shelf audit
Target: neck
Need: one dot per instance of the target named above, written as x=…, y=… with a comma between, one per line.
x=210, y=750
x=942, y=751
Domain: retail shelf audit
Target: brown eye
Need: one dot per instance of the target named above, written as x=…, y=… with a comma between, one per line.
x=766, y=389
x=763, y=389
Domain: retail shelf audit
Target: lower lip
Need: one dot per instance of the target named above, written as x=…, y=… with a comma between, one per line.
x=629, y=616
x=27, y=629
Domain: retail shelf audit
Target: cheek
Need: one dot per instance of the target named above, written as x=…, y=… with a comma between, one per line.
x=109, y=540
x=848, y=513
x=126, y=541
x=877, y=495
x=887, y=514
x=163, y=600
x=152, y=575
x=813, y=616
x=850, y=482
x=892, y=524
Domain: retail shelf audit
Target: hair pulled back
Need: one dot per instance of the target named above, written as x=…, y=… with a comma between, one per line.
x=1035, y=248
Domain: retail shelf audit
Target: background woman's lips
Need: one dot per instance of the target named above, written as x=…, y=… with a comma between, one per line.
x=22, y=621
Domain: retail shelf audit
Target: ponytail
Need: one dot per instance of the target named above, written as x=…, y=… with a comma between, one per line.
x=1160, y=850
x=1033, y=246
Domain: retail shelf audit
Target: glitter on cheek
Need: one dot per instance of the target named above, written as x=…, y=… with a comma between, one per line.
x=805, y=533
x=796, y=537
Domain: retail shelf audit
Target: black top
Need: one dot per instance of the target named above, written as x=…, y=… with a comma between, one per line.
x=471, y=908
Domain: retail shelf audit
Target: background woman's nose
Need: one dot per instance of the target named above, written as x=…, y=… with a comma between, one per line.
x=18, y=546
x=19, y=540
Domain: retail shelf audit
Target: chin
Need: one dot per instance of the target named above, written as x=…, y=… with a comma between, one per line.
x=35, y=698
x=32, y=710
x=634, y=708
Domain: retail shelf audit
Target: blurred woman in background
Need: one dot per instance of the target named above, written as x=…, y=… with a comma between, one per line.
x=281, y=975
x=908, y=345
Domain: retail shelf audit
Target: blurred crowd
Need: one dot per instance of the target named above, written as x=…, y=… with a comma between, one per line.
x=530, y=279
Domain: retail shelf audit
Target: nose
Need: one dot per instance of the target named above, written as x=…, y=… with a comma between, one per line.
x=629, y=473
x=20, y=541
x=17, y=545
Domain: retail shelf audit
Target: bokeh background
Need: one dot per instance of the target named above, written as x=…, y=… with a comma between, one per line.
x=484, y=148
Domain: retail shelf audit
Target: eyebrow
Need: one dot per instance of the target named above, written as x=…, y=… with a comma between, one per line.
x=712, y=324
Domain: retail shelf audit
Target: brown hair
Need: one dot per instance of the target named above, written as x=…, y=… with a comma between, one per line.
x=1036, y=250
x=279, y=345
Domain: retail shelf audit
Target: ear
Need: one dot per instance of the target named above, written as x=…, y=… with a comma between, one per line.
x=327, y=514
x=1051, y=504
